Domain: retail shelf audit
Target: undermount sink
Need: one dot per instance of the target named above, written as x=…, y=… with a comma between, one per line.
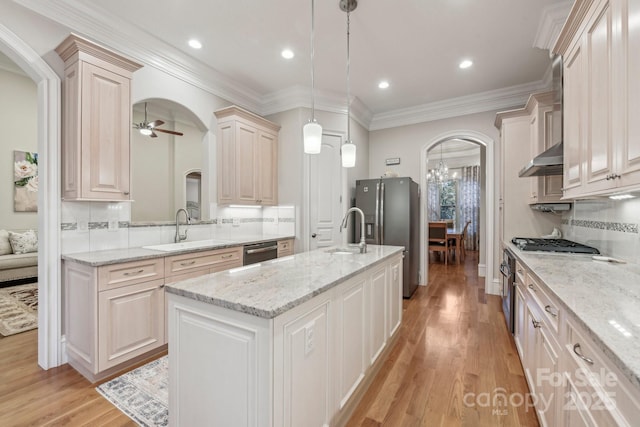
x=170, y=247
x=344, y=251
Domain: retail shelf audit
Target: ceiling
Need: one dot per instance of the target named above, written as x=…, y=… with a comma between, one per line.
x=414, y=44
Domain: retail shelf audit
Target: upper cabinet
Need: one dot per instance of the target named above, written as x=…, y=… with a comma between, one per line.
x=247, y=158
x=600, y=46
x=96, y=121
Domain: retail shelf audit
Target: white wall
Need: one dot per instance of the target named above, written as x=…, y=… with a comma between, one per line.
x=18, y=120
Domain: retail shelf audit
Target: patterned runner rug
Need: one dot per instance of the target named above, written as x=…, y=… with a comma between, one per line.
x=142, y=394
x=18, y=309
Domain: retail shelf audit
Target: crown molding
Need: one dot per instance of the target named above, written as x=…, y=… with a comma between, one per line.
x=141, y=46
x=550, y=25
x=485, y=101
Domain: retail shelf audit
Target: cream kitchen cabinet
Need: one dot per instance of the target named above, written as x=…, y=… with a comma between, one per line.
x=113, y=314
x=247, y=158
x=96, y=121
x=285, y=248
x=602, y=98
x=544, y=116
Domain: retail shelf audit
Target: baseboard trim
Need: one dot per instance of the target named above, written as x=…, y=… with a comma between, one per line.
x=482, y=270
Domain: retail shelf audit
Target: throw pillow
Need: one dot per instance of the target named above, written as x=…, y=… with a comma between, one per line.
x=23, y=243
x=5, y=246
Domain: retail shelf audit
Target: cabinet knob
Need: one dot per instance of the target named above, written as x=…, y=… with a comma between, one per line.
x=126, y=193
x=314, y=235
x=532, y=288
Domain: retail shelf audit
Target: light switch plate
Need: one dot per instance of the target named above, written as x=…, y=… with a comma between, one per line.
x=236, y=222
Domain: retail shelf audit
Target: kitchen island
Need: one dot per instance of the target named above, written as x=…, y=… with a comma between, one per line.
x=289, y=342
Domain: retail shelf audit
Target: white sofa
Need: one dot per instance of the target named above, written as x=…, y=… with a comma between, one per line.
x=18, y=266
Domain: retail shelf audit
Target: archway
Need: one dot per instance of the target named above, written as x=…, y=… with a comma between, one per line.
x=50, y=351
x=489, y=247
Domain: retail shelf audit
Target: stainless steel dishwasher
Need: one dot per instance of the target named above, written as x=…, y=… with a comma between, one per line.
x=260, y=252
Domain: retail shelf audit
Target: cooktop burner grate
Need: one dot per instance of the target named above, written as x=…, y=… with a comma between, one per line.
x=552, y=245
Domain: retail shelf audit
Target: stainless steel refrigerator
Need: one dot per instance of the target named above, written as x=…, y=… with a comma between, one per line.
x=391, y=209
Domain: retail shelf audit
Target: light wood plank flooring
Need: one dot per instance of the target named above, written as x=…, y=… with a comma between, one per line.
x=453, y=342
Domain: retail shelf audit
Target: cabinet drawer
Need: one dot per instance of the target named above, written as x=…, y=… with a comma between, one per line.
x=285, y=248
x=128, y=273
x=549, y=308
x=179, y=264
x=603, y=388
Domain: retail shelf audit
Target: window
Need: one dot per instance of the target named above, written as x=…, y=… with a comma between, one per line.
x=448, y=197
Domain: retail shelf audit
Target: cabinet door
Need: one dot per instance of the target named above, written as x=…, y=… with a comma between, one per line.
x=395, y=296
x=131, y=322
x=549, y=187
x=599, y=144
x=377, y=314
x=267, y=164
x=629, y=90
x=546, y=371
x=351, y=343
x=245, y=164
x=226, y=162
x=519, y=327
x=574, y=129
x=106, y=127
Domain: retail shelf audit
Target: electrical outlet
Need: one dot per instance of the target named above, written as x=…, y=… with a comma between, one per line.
x=83, y=225
x=309, y=343
x=113, y=225
x=236, y=222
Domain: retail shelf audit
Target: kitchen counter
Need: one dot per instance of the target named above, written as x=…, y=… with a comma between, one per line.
x=597, y=295
x=116, y=256
x=274, y=287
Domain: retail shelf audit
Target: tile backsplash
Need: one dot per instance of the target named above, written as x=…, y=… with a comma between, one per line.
x=609, y=225
x=93, y=226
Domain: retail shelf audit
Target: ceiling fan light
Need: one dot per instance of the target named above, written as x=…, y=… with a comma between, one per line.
x=348, y=154
x=145, y=131
x=312, y=134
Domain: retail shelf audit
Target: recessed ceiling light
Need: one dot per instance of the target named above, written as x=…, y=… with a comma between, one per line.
x=383, y=84
x=466, y=64
x=195, y=44
x=287, y=54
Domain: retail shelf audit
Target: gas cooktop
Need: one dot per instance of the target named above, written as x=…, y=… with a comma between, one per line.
x=552, y=245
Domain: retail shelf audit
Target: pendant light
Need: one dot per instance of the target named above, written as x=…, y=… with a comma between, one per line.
x=348, y=148
x=312, y=131
x=441, y=173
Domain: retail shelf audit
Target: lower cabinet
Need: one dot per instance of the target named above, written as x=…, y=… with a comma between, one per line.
x=285, y=248
x=306, y=367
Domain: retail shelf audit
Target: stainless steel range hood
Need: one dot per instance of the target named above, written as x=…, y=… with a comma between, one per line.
x=549, y=162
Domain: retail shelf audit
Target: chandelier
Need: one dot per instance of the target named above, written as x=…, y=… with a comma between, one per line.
x=439, y=174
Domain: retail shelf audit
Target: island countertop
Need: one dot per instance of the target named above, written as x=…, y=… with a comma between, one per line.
x=598, y=295
x=271, y=288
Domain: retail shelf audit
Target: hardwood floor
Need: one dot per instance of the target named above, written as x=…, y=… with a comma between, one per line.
x=454, y=355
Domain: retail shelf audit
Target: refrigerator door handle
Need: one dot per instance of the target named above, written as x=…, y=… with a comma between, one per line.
x=376, y=230
x=382, y=214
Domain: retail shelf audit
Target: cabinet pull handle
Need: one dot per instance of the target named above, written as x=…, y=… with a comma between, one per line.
x=184, y=264
x=162, y=286
x=519, y=270
x=547, y=308
x=532, y=288
x=226, y=256
x=578, y=352
x=536, y=324
x=134, y=273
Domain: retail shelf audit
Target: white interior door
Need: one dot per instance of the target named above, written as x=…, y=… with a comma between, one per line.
x=325, y=191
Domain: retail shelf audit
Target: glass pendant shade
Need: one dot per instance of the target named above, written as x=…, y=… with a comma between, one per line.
x=312, y=134
x=348, y=154
x=145, y=131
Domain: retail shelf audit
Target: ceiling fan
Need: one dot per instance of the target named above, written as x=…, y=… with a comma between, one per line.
x=150, y=128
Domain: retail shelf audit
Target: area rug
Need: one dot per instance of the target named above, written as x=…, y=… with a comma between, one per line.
x=18, y=309
x=142, y=394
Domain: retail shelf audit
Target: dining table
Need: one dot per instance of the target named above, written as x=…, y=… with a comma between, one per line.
x=454, y=233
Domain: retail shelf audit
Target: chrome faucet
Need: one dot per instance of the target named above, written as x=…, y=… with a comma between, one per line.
x=180, y=237
x=363, y=242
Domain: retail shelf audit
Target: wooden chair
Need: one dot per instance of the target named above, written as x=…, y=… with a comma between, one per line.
x=463, y=237
x=438, y=241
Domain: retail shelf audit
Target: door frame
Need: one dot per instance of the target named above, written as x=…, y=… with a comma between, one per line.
x=306, y=202
x=479, y=139
x=50, y=342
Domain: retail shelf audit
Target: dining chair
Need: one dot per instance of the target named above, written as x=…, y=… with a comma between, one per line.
x=438, y=241
x=463, y=237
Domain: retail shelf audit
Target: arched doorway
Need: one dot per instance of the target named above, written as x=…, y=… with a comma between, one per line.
x=50, y=352
x=478, y=138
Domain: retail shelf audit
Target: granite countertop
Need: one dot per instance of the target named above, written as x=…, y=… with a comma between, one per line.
x=602, y=297
x=116, y=256
x=274, y=287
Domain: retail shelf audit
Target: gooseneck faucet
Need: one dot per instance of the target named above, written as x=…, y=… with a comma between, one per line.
x=180, y=237
x=363, y=241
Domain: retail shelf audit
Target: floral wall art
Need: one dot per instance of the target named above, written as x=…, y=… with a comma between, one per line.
x=25, y=181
